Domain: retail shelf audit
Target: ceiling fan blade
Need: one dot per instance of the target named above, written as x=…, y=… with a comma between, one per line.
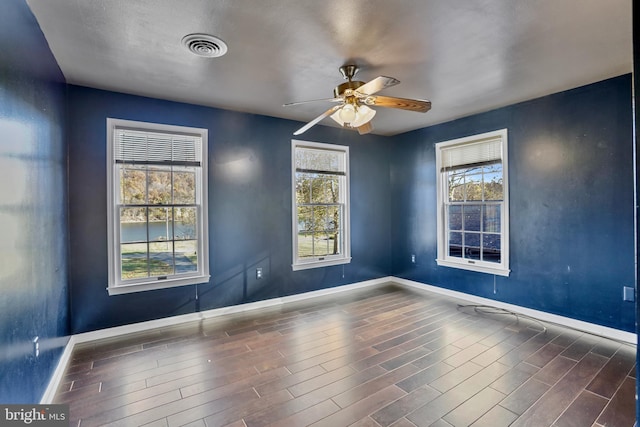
x=365, y=128
x=376, y=85
x=316, y=120
x=313, y=100
x=418, y=105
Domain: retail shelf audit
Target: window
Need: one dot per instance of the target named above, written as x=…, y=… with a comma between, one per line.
x=473, y=205
x=320, y=204
x=157, y=199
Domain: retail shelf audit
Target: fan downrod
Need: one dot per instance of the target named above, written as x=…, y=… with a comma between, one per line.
x=348, y=71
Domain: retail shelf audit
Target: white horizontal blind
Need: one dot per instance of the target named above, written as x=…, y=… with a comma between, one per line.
x=142, y=147
x=320, y=161
x=479, y=153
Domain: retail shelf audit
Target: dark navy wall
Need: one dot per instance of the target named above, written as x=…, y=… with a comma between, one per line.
x=249, y=209
x=571, y=204
x=33, y=221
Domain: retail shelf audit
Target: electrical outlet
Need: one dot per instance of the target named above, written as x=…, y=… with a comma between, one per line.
x=628, y=294
x=259, y=273
x=413, y=258
x=36, y=346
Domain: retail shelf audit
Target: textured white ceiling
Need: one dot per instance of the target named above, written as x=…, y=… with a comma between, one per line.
x=464, y=56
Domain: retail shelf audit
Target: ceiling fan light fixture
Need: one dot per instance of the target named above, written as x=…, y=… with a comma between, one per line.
x=353, y=116
x=355, y=97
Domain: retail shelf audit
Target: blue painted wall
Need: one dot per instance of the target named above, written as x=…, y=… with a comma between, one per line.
x=33, y=220
x=571, y=204
x=249, y=209
x=571, y=178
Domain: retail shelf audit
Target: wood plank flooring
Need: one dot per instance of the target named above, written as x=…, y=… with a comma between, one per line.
x=378, y=357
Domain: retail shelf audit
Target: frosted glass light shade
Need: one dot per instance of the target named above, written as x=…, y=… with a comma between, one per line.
x=347, y=113
x=363, y=115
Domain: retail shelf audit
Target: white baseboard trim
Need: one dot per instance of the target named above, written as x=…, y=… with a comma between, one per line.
x=603, y=331
x=58, y=374
x=56, y=377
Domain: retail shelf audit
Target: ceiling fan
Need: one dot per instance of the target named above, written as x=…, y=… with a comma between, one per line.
x=355, y=98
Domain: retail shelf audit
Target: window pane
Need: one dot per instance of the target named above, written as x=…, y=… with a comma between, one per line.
x=491, y=218
x=133, y=185
x=134, y=261
x=495, y=168
x=324, y=189
x=332, y=220
x=493, y=182
x=305, y=244
x=133, y=225
x=472, y=245
x=491, y=250
x=456, y=186
x=473, y=187
x=324, y=244
x=493, y=191
x=186, y=256
x=303, y=187
x=160, y=224
x=472, y=217
x=184, y=187
x=159, y=186
x=320, y=214
x=455, y=244
x=161, y=258
x=305, y=218
x=336, y=241
x=185, y=225
x=455, y=217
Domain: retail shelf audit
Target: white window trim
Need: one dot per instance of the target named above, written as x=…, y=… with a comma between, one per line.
x=329, y=260
x=443, y=258
x=115, y=285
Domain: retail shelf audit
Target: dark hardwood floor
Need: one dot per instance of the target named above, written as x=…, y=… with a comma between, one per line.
x=377, y=357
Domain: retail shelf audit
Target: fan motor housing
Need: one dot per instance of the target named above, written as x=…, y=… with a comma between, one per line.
x=339, y=90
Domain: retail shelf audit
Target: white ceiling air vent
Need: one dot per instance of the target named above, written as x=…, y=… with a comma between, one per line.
x=204, y=45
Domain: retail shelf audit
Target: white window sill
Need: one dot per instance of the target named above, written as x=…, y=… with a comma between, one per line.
x=157, y=284
x=323, y=263
x=478, y=266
